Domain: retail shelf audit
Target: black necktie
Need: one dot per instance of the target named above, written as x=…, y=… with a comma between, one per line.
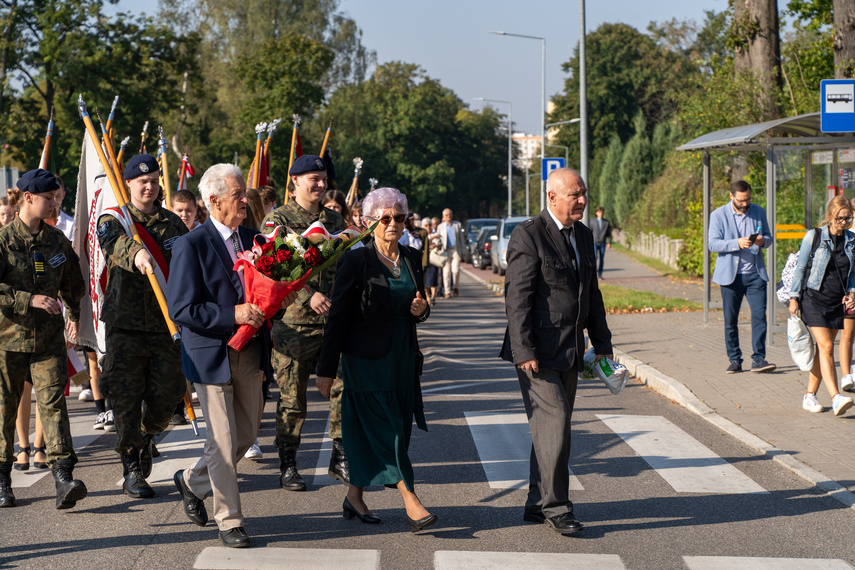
x=236, y=242
x=569, y=244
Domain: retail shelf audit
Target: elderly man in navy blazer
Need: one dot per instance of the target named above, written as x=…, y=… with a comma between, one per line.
x=206, y=298
x=738, y=233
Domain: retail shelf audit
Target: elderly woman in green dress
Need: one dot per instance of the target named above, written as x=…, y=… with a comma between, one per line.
x=377, y=301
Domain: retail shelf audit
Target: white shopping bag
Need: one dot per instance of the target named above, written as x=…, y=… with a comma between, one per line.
x=801, y=343
x=613, y=375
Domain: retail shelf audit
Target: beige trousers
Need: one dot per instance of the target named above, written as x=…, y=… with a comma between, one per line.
x=232, y=416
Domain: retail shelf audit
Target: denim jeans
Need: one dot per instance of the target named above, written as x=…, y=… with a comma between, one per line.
x=599, y=253
x=748, y=285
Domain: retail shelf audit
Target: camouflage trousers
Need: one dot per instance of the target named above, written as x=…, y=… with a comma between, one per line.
x=141, y=373
x=49, y=371
x=295, y=355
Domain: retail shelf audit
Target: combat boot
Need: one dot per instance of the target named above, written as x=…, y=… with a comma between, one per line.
x=68, y=489
x=135, y=484
x=338, y=463
x=146, y=456
x=7, y=498
x=290, y=479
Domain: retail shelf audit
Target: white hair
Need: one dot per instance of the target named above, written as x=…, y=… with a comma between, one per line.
x=213, y=182
x=381, y=199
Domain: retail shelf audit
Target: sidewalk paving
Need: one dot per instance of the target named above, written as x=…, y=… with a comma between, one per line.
x=768, y=405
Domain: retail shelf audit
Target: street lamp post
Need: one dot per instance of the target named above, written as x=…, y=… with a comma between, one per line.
x=510, y=148
x=542, y=104
x=583, y=105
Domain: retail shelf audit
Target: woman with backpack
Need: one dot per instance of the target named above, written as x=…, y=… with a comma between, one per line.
x=823, y=291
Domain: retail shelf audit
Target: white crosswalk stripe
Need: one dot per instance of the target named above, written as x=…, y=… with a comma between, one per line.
x=503, y=441
x=464, y=560
x=748, y=563
x=222, y=558
x=684, y=462
x=320, y=478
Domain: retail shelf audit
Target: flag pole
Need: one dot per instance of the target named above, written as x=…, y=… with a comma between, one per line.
x=43, y=163
x=122, y=150
x=164, y=167
x=118, y=193
x=297, y=119
x=326, y=139
x=354, y=186
x=143, y=136
x=259, y=132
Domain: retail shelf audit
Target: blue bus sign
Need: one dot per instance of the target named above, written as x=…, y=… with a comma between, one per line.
x=837, y=105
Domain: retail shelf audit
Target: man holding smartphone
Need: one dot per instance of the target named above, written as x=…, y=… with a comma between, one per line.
x=738, y=233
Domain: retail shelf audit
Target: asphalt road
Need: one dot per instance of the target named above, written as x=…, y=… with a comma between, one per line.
x=656, y=487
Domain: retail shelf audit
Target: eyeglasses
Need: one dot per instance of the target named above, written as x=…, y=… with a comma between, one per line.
x=399, y=219
x=843, y=220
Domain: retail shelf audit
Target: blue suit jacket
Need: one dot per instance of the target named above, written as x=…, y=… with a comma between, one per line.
x=724, y=238
x=202, y=292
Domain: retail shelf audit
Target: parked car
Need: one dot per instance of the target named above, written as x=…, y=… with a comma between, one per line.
x=471, y=230
x=482, y=247
x=499, y=250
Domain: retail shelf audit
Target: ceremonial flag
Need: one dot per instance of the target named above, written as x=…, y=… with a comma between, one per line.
x=328, y=161
x=298, y=152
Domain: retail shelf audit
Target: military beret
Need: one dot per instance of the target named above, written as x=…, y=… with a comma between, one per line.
x=139, y=165
x=38, y=181
x=307, y=163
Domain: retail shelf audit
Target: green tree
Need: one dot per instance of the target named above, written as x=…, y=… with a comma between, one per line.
x=634, y=171
x=609, y=178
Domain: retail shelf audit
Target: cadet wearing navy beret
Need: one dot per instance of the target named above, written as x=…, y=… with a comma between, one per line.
x=38, y=181
x=139, y=165
x=307, y=163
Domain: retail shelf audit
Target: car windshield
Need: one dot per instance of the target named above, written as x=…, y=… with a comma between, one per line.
x=509, y=227
x=475, y=227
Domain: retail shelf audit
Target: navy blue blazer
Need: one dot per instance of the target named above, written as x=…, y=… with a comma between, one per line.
x=202, y=292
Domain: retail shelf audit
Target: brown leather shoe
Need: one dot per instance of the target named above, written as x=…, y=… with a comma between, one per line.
x=456, y=293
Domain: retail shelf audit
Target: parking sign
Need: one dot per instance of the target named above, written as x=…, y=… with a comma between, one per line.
x=550, y=164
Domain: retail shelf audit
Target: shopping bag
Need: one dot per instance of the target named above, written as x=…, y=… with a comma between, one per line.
x=613, y=375
x=801, y=343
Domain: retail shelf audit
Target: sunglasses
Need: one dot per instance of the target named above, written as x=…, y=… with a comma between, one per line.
x=399, y=219
x=843, y=220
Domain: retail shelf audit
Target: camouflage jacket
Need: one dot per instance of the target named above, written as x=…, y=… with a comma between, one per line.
x=297, y=219
x=44, y=264
x=129, y=301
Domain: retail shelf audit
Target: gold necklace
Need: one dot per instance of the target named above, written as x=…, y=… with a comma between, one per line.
x=396, y=271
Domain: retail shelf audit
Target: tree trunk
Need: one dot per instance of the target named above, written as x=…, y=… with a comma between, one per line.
x=6, y=59
x=844, y=39
x=758, y=49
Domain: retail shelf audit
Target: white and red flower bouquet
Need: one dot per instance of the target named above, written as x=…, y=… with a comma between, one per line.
x=283, y=261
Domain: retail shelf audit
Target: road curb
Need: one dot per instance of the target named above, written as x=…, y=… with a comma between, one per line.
x=496, y=288
x=678, y=392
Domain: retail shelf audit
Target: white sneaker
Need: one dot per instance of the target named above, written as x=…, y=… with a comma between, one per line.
x=109, y=424
x=840, y=404
x=852, y=369
x=100, y=421
x=254, y=452
x=847, y=383
x=811, y=404
x=86, y=395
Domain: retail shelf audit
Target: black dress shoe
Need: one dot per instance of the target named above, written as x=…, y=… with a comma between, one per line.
x=194, y=507
x=349, y=511
x=564, y=524
x=416, y=526
x=235, y=537
x=534, y=515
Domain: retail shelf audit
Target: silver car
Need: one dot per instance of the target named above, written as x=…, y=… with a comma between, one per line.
x=499, y=251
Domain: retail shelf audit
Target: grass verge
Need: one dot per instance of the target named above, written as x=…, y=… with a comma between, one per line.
x=620, y=300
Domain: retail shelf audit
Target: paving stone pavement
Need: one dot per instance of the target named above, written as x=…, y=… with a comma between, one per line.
x=768, y=405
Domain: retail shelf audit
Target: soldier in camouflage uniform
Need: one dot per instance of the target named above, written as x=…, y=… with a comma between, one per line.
x=141, y=369
x=298, y=335
x=37, y=266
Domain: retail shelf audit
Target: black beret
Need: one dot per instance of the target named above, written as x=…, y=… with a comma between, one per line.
x=38, y=181
x=307, y=163
x=139, y=165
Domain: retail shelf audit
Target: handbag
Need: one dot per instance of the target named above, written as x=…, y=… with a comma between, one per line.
x=800, y=342
x=437, y=259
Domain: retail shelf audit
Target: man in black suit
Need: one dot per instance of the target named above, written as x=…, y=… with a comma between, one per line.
x=551, y=295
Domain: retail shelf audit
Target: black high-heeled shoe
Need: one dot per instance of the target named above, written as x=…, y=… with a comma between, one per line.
x=349, y=511
x=39, y=464
x=18, y=451
x=421, y=524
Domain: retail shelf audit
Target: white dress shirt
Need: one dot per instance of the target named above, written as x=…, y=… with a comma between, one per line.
x=226, y=233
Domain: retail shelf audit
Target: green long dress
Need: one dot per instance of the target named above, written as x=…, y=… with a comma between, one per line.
x=379, y=399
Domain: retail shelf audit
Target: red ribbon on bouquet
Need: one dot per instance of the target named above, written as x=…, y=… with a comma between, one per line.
x=266, y=293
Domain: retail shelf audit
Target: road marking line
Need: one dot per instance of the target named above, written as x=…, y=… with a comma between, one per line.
x=223, y=558
x=503, y=442
x=179, y=449
x=465, y=385
x=748, y=563
x=684, y=462
x=319, y=475
x=465, y=560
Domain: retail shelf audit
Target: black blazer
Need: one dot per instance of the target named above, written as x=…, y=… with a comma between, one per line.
x=548, y=303
x=202, y=292
x=361, y=303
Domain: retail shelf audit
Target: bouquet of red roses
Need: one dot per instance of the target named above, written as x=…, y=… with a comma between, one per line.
x=283, y=262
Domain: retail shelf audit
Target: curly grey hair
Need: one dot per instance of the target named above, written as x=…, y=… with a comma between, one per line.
x=381, y=199
x=213, y=182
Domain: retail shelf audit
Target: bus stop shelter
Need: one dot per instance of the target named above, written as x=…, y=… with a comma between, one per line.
x=800, y=159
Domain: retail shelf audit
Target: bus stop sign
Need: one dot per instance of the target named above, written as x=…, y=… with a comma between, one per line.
x=837, y=105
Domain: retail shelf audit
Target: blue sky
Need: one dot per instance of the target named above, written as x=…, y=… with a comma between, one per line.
x=450, y=40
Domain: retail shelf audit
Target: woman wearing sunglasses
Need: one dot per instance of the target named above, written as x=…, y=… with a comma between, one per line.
x=379, y=293
x=826, y=294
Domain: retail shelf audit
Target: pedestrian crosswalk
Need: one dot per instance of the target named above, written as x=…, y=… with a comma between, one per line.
x=221, y=558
